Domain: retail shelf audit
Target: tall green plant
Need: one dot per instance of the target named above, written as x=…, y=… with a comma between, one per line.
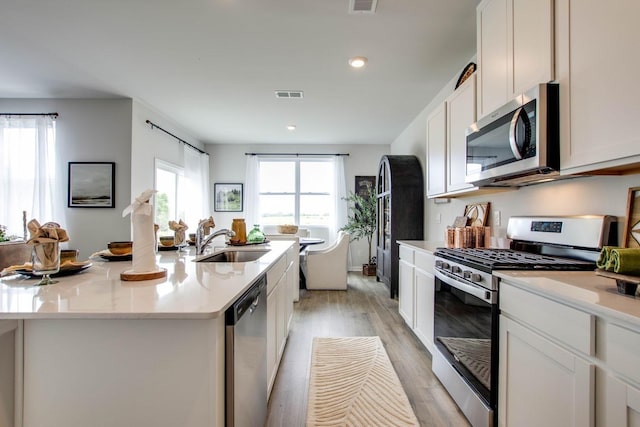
x=361, y=220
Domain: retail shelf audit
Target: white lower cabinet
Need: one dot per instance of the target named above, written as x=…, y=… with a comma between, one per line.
x=281, y=280
x=424, y=283
x=561, y=365
x=416, y=293
x=622, y=404
x=406, y=296
x=540, y=383
x=10, y=372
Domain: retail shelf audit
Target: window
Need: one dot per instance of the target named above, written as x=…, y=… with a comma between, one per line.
x=168, y=205
x=296, y=191
x=27, y=171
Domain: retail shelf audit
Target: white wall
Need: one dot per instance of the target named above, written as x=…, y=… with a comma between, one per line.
x=149, y=144
x=87, y=130
x=590, y=195
x=227, y=164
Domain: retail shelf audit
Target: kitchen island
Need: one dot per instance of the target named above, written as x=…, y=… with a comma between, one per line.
x=95, y=350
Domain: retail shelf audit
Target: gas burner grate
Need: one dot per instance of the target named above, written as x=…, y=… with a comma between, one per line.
x=511, y=259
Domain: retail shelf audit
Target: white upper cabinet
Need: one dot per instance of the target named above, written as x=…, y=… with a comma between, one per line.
x=599, y=97
x=492, y=55
x=530, y=51
x=515, y=49
x=436, y=151
x=461, y=113
x=446, y=141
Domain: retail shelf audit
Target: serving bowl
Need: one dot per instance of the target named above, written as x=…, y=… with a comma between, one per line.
x=120, y=248
x=167, y=240
x=287, y=229
x=70, y=255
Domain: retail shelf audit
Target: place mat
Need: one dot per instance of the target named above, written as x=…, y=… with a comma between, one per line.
x=474, y=354
x=352, y=383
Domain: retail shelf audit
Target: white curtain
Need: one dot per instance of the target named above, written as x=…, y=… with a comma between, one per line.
x=28, y=172
x=339, y=193
x=251, y=191
x=196, y=187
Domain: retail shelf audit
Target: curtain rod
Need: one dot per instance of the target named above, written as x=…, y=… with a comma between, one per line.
x=54, y=115
x=153, y=125
x=296, y=154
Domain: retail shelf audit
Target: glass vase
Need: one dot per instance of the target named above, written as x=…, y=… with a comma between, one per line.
x=45, y=261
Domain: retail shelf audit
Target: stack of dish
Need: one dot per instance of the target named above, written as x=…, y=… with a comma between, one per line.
x=116, y=251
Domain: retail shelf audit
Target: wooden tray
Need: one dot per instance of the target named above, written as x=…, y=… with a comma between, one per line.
x=627, y=285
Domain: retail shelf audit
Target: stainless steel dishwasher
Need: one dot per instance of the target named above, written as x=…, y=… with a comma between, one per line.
x=246, y=358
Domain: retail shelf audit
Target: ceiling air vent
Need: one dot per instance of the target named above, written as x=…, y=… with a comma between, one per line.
x=362, y=6
x=289, y=94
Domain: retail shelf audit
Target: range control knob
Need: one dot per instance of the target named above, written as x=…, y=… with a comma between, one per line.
x=475, y=277
x=445, y=265
x=456, y=269
x=439, y=264
x=466, y=274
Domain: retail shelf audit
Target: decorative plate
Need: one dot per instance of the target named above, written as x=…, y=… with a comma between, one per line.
x=466, y=73
x=112, y=257
x=65, y=270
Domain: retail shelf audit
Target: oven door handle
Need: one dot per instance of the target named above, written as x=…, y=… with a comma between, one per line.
x=478, y=292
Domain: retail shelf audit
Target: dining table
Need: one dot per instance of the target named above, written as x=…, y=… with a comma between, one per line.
x=305, y=242
x=308, y=241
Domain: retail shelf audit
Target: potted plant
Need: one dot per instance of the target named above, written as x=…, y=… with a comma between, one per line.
x=361, y=222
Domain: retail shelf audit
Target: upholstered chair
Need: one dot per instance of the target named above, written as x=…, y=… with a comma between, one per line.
x=327, y=268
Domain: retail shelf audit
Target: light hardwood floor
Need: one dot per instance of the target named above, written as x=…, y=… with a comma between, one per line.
x=365, y=309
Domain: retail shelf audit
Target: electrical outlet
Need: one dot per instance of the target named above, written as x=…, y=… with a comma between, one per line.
x=438, y=218
x=497, y=218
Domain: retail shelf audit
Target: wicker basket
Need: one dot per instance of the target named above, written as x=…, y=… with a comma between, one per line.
x=287, y=229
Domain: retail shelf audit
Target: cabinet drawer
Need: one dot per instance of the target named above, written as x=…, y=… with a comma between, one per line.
x=275, y=273
x=424, y=261
x=623, y=351
x=572, y=327
x=292, y=253
x=406, y=254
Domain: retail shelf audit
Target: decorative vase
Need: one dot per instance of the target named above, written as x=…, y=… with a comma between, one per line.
x=255, y=235
x=369, y=269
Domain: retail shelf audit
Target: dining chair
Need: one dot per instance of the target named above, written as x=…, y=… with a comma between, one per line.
x=327, y=268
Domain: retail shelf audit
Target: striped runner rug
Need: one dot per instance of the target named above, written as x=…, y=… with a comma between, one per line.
x=352, y=383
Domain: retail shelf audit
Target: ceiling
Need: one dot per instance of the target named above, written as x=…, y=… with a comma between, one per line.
x=212, y=66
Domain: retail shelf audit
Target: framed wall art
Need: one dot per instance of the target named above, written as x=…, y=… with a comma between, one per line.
x=631, y=238
x=227, y=197
x=92, y=185
x=364, y=183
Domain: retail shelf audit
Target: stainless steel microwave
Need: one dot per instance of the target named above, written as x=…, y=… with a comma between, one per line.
x=518, y=144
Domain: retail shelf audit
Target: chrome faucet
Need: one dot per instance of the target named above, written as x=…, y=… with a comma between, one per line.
x=202, y=242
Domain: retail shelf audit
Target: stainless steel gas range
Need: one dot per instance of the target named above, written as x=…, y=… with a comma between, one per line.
x=467, y=294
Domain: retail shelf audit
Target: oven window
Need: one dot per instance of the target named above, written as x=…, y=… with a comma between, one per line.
x=465, y=331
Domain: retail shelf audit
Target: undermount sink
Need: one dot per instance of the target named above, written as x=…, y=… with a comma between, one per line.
x=233, y=256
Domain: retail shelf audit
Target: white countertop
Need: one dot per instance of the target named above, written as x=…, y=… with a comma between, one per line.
x=423, y=245
x=583, y=289
x=191, y=290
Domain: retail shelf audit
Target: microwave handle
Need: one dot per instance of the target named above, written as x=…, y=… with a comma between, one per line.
x=513, y=135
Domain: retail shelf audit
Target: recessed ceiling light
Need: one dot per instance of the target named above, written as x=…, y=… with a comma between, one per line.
x=358, y=61
x=291, y=127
